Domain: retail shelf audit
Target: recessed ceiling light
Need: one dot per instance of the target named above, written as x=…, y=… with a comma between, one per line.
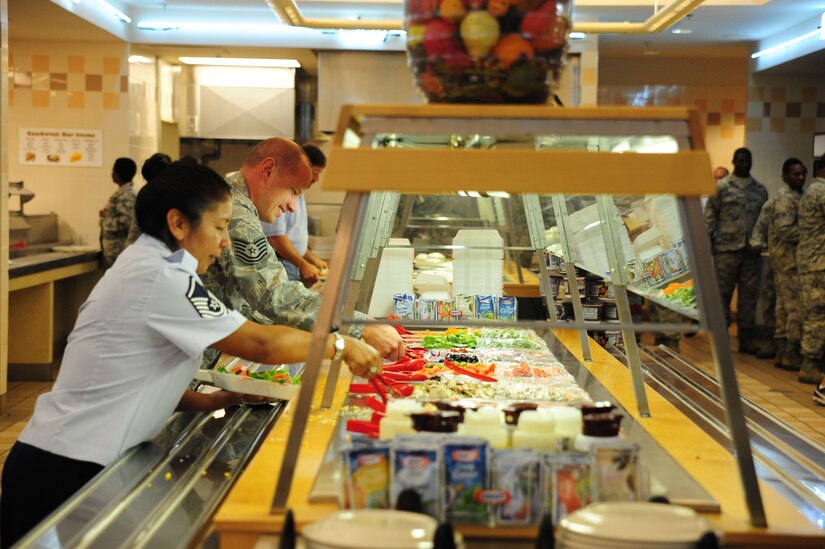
x=139, y=59
x=682, y=31
x=241, y=62
x=577, y=35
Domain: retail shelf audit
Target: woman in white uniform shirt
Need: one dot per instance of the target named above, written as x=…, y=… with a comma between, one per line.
x=136, y=346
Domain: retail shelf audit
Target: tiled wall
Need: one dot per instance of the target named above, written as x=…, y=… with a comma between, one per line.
x=78, y=86
x=784, y=112
x=717, y=89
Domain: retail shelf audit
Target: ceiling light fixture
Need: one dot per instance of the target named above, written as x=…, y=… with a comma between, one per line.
x=186, y=26
x=114, y=11
x=577, y=35
x=241, y=62
x=139, y=60
x=787, y=44
x=289, y=14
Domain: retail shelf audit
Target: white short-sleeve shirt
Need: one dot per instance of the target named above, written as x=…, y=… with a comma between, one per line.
x=131, y=355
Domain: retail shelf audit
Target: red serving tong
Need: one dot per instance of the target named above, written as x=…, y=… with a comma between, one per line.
x=459, y=370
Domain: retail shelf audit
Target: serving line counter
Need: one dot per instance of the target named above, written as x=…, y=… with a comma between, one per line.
x=694, y=469
x=45, y=293
x=162, y=493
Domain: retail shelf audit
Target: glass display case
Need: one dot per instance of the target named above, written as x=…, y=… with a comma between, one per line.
x=608, y=194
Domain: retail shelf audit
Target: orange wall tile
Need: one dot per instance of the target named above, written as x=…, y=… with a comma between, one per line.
x=111, y=65
x=40, y=98
x=111, y=101
x=77, y=64
x=40, y=63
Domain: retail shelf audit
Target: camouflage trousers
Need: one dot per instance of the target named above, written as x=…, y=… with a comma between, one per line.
x=788, y=306
x=740, y=270
x=663, y=315
x=767, y=303
x=812, y=292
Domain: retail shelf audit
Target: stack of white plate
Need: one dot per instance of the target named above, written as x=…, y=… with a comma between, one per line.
x=373, y=529
x=478, y=266
x=632, y=525
x=395, y=276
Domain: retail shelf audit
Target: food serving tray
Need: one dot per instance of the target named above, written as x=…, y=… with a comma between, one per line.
x=248, y=386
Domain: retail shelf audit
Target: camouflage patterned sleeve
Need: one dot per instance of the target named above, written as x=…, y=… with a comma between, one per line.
x=711, y=214
x=759, y=236
x=119, y=214
x=785, y=223
x=261, y=280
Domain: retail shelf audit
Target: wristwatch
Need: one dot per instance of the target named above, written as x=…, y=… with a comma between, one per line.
x=340, y=344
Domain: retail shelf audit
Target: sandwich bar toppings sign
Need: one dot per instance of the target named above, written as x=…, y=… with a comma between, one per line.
x=61, y=147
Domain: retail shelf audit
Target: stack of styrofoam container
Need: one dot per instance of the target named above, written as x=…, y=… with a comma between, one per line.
x=478, y=264
x=395, y=276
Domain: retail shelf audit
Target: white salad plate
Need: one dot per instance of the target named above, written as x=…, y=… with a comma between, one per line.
x=372, y=528
x=633, y=524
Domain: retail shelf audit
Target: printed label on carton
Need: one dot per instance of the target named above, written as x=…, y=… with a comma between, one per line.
x=465, y=478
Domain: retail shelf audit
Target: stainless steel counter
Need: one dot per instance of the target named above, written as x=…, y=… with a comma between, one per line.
x=161, y=493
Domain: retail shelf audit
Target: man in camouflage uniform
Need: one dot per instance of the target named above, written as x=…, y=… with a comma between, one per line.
x=117, y=217
x=248, y=276
x=779, y=216
x=810, y=260
x=730, y=216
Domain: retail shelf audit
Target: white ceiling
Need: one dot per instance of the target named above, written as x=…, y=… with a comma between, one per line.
x=719, y=27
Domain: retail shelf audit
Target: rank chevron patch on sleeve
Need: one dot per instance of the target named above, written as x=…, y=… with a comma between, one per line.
x=251, y=252
x=207, y=305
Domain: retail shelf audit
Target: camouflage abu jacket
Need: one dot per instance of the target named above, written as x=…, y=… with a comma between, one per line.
x=249, y=278
x=731, y=214
x=115, y=225
x=779, y=217
x=810, y=252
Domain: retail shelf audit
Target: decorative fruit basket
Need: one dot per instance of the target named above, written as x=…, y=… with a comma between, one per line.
x=487, y=51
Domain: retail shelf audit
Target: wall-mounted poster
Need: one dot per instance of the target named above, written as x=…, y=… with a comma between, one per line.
x=61, y=147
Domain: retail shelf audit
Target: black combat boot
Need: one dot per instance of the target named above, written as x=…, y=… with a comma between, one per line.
x=810, y=371
x=768, y=349
x=780, y=351
x=747, y=343
x=792, y=361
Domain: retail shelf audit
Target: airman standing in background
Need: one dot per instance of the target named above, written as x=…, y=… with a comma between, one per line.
x=118, y=216
x=730, y=216
x=810, y=260
x=779, y=217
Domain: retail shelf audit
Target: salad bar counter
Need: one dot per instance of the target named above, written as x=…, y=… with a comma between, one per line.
x=346, y=463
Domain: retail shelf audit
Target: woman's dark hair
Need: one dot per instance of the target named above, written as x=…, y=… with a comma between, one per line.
x=190, y=189
x=153, y=165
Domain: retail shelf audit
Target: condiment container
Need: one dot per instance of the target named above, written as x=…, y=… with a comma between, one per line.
x=537, y=430
x=568, y=420
x=486, y=423
x=597, y=429
x=397, y=420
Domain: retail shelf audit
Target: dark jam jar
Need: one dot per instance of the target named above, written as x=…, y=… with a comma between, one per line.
x=455, y=406
x=602, y=425
x=602, y=407
x=514, y=410
x=436, y=422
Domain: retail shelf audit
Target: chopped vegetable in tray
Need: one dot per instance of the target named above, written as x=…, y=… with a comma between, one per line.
x=449, y=341
x=274, y=375
x=681, y=294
